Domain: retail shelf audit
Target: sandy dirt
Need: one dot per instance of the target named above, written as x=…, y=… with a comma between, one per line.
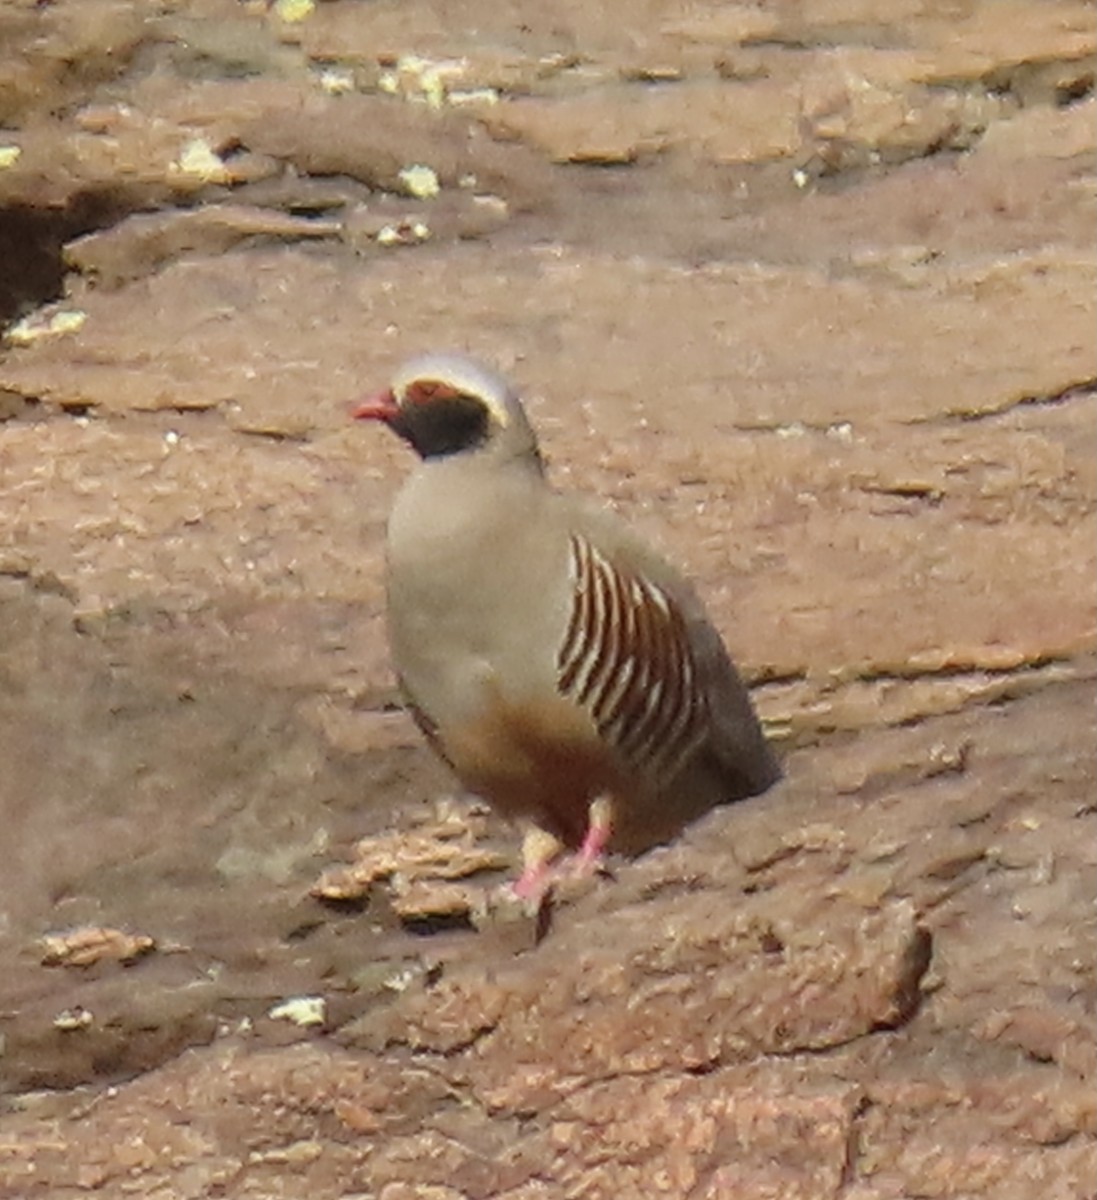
x=805, y=292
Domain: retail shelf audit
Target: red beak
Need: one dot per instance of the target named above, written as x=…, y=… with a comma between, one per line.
x=382, y=407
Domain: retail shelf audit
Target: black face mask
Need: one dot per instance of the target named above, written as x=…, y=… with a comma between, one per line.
x=436, y=428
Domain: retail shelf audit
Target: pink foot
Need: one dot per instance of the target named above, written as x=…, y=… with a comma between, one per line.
x=534, y=882
x=590, y=854
x=589, y=858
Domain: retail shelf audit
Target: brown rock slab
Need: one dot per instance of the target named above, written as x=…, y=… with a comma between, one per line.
x=143, y=244
x=682, y=999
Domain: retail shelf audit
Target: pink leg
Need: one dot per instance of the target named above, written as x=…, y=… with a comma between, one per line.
x=599, y=831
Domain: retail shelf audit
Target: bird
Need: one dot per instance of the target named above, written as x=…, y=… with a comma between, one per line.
x=568, y=674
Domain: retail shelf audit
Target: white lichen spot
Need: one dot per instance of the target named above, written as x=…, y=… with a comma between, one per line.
x=426, y=80
x=485, y=95
x=198, y=158
x=400, y=981
x=336, y=81
x=801, y=178
x=492, y=204
x=9, y=156
x=68, y=1020
x=304, y=1011
x=420, y=182
x=407, y=233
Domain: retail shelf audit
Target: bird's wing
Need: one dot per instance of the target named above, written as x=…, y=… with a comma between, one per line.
x=658, y=668
x=626, y=658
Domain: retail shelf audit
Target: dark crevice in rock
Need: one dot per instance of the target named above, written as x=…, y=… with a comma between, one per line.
x=15, y=406
x=1053, y=81
x=908, y=994
x=773, y=677
x=1080, y=390
x=32, y=243
x=40, y=582
x=272, y=435
x=30, y=248
x=1070, y=93
x=926, y=494
x=961, y=883
x=428, y=925
x=701, y=1069
x=853, y=1149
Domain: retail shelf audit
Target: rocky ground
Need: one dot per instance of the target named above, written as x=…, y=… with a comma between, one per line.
x=806, y=292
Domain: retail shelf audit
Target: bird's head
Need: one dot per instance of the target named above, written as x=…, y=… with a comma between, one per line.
x=446, y=404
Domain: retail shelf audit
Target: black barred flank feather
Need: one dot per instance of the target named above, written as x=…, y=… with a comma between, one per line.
x=626, y=658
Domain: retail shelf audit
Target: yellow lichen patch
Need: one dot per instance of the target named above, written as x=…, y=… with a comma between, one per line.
x=420, y=182
x=292, y=11
x=36, y=326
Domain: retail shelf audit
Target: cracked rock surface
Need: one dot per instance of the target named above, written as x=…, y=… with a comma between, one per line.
x=806, y=293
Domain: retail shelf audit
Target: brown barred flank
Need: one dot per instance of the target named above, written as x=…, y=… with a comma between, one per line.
x=626, y=658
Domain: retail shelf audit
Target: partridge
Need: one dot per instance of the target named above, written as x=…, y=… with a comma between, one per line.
x=567, y=674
